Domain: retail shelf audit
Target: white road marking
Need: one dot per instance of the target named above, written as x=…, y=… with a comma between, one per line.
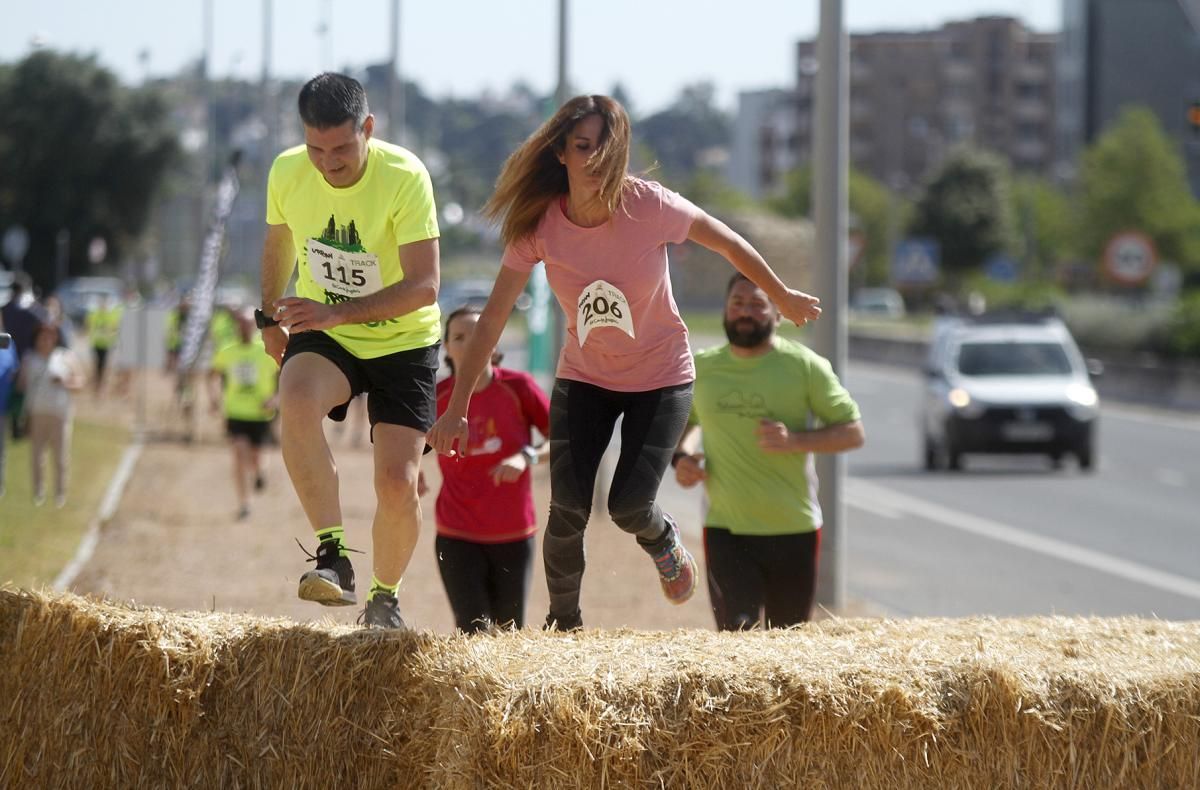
x=870, y=495
x=108, y=507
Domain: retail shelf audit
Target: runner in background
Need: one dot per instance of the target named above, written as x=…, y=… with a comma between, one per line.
x=103, y=325
x=486, y=524
x=243, y=385
x=565, y=197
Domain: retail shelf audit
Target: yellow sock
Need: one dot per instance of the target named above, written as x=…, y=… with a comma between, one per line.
x=336, y=534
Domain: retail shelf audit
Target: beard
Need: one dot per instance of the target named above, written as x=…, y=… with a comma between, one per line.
x=748, y=333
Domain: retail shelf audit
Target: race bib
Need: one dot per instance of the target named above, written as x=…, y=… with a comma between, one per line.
x=245, y=375
x=602, y=304
x=345, y=274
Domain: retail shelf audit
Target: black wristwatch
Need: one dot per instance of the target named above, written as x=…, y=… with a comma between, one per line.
x=262, y=320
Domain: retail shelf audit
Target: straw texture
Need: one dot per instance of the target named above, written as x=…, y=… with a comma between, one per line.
x=98, y=694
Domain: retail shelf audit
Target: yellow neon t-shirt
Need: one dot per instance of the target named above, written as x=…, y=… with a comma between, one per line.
x=347, y=239
x=251, y=378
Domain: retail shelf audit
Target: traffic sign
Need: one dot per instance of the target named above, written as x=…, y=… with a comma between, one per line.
x=1001, y=268
x=916, y=261
x=16, y=244
x=1130, y=257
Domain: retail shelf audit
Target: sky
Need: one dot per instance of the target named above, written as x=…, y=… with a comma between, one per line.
x=465, y=47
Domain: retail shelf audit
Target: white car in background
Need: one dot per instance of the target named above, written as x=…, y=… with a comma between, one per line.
x=1007, y=384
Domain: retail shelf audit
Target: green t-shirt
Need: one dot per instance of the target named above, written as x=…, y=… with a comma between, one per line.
x=347, y=240
x=251, y=378
x=752, y=492
x=223, y=328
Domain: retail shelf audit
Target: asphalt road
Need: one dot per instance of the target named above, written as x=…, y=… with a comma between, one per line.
x=1009, y=535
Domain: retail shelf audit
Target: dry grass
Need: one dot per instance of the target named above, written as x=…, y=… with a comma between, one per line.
x=105, y=695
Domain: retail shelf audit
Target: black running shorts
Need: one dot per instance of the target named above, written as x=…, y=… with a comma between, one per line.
x=254, y=430
x=400, y=387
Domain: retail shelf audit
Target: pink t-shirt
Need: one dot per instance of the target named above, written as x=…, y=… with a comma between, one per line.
x=624, y=332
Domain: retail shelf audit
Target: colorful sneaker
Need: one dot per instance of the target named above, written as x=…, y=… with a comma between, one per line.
x=571, y=623
x=331, y=583
x=676, y=570
x=382, y=611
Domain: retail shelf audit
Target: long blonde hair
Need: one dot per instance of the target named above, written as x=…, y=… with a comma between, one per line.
x=533, y=176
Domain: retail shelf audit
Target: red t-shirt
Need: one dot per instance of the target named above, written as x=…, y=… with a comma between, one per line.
x=470, y=506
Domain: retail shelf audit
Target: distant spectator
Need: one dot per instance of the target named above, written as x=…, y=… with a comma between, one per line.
x=22, y=317
x=8, y=377
x=49, y=374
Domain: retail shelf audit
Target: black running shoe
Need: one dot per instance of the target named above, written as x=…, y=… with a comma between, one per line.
x=572, y=623
x=331, y=583
x=382, y=611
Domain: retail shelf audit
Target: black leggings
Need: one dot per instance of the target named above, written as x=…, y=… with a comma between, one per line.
x=486, y=582
x=752, y=577
x=582, y=419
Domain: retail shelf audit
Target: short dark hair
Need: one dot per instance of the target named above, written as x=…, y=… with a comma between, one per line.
x=734, y=280
x=466, y=309
x=331, y=99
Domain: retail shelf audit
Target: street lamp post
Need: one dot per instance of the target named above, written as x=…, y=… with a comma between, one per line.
x=831, y=204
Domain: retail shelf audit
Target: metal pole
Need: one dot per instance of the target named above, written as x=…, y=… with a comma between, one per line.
x=830, y=200
x=268, y=95
x=559, y=334
x=395, y=82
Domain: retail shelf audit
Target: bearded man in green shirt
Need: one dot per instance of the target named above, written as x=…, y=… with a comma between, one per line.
x=756, y=400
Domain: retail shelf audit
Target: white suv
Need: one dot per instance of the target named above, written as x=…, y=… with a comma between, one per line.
x=1007, y=384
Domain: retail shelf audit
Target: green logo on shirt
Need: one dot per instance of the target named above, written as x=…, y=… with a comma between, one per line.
x=753, y=407
x=344, y=238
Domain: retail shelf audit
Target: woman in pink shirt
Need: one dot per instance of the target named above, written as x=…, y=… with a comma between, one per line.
x=565, y=197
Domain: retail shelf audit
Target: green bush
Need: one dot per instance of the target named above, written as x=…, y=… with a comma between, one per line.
x=1182, y=331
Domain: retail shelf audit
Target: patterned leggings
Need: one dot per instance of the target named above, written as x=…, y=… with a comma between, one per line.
x=582, y=420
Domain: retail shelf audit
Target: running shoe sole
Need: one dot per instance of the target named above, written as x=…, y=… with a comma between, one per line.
x=314, y=587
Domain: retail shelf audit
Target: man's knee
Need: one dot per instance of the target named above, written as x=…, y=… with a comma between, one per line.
x=308, y=389
x=396, y=485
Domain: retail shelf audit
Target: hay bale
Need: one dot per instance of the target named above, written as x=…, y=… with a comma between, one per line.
x=101, y=694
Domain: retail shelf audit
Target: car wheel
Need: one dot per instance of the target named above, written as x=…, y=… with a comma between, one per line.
x=1086, y=460
x=954, y=459
x=931, y=456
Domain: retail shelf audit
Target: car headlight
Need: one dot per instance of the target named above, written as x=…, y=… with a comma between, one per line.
x=966, y=406
x=1082, y=401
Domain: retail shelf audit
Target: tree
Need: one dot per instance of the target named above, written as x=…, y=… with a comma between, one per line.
x=1043, y=219
x=80, y=152
x=965, y=207
x=680, y=135
x=1132, y=178
x=874, y=210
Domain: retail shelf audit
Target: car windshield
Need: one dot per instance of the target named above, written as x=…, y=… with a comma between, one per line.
x=1013, y=359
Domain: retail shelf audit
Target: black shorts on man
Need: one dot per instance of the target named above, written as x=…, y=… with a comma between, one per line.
x=255, y=431
x=401, y=388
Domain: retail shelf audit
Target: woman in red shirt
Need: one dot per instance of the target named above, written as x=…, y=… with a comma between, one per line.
x=485, y=515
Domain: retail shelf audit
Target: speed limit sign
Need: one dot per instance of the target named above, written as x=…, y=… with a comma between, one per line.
x=1130, y=257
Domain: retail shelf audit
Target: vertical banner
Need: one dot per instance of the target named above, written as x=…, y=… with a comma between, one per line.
x=205, y=289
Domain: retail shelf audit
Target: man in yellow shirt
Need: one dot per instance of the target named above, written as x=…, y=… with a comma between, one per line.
x=103, y=328
x=244, y=383
x=357, y=215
